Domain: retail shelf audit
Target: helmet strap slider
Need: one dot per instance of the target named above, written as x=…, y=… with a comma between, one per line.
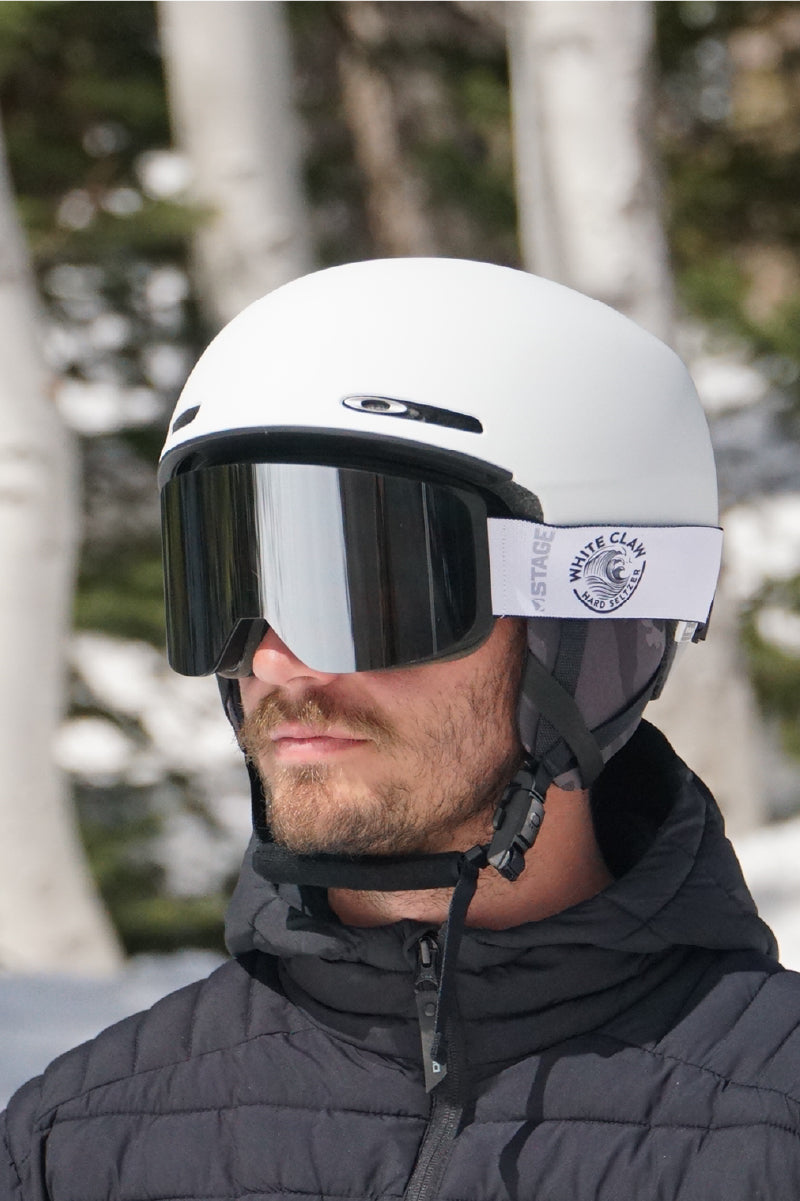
x=516, y=823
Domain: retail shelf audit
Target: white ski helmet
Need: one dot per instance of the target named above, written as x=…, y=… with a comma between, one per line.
x=504, y=444
x=437, y=359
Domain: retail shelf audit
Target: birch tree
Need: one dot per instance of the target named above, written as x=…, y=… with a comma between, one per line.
x=587, y=182
x=50, y=918
x=228, y=70
x=589, y=216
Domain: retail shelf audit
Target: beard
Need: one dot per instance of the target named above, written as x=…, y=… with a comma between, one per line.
x=439, y=768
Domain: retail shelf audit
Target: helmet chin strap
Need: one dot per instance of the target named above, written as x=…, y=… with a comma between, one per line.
x=519, y=816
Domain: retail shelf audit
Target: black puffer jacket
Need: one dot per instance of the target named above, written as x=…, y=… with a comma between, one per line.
x=644, y=1044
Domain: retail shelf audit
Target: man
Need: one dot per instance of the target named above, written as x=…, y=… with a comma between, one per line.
x=439, y=528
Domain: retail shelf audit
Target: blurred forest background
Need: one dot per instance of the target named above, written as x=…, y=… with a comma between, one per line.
x=395, y=133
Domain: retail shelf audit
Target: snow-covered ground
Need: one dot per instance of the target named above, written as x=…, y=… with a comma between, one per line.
x=42, y=1016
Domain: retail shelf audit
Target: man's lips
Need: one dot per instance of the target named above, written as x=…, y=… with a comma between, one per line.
x=296, y=742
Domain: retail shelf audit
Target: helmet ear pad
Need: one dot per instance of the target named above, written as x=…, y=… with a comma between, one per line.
x=611, y=667
x=231, y=697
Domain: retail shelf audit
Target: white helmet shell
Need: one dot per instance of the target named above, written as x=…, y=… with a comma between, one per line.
x=582, y=407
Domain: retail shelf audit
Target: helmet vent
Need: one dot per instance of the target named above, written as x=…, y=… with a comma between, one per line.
x=184, y=418
x=385, y=406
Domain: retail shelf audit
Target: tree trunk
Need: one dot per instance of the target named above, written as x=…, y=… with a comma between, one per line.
x=50, y=918
x=229, y=77
x=587, y=184
x=589, y=216
x=394, y=195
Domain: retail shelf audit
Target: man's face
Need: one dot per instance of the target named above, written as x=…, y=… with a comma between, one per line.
x=387, y=762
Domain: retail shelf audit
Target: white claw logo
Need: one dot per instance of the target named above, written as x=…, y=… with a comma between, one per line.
x=608, y=570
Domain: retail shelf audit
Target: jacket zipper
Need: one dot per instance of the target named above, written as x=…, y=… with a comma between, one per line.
x=426, y=992
x=445, y=1079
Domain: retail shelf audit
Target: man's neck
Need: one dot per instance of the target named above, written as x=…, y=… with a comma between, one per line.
x=563, y=867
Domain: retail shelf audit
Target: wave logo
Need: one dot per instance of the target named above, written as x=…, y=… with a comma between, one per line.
x=606, y=572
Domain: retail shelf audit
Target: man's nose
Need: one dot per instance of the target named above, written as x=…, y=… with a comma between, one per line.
x=275, y=665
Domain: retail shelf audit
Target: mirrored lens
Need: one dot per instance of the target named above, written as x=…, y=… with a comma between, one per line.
x=354, y=570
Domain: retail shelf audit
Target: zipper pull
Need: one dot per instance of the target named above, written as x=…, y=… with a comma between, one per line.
x=426, y=993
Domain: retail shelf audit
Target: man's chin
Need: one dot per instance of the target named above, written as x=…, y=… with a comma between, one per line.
x=316, y=821
x=351, y=845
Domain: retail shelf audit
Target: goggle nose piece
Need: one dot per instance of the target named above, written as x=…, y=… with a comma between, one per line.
x=236, y=660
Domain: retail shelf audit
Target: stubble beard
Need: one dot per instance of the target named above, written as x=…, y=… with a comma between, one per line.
x=444, y=775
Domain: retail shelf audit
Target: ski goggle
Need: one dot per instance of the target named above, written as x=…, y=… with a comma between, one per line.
x=360, y=571
x=354, y=570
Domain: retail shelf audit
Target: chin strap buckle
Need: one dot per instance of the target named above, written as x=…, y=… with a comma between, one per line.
x=516, y=823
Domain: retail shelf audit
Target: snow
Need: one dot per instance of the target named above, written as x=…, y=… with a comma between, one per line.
x=183, y=732
x=93, y=748
x=762, y=542
x=40, y=1017
x=181, y=715
x=726, y=382
x=103, y=406
x=781, y=627
x=164, y=174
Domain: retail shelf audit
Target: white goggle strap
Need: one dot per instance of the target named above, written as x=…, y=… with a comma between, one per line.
x=658, y=572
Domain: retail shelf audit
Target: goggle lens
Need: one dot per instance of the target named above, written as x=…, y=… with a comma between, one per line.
x=354, y=570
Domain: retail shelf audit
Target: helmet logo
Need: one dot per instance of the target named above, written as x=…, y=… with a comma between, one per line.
x=378, y=404
x=385, y=406
x=607, y=571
